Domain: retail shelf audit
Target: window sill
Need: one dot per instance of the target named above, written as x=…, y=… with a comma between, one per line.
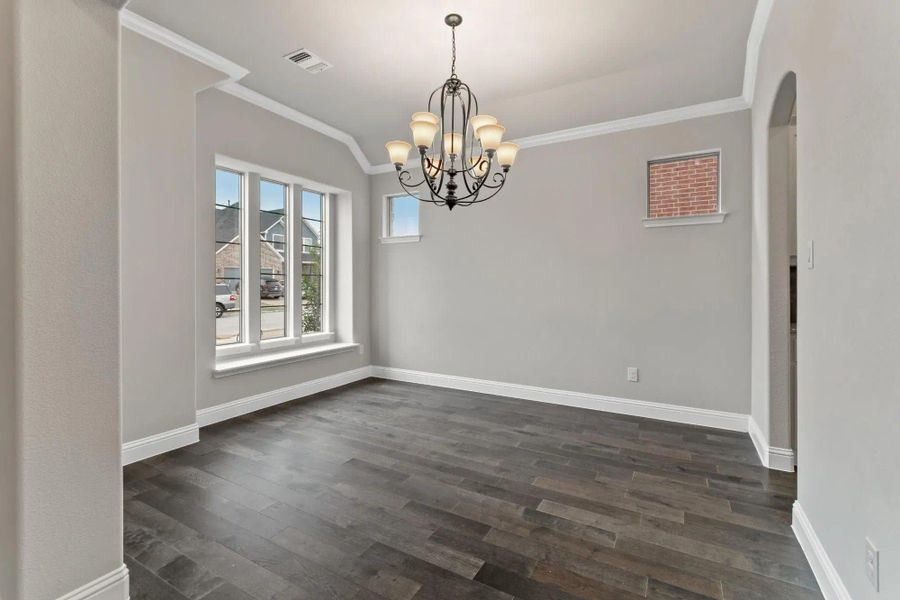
x=243, y=364
x=691, y=220
x=401, y=239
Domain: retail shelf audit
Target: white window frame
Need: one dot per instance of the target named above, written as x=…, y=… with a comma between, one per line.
x=252, y=352
x=707, y=219
x=386, y=236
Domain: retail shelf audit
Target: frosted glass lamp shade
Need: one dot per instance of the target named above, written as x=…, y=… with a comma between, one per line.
x=423, y=133
x=453, y=143
x=479, y=165
x=426, y=116
x=479, y=120
x=398, y=151
x=433, y=168
x=491, y=135
x=506, y=154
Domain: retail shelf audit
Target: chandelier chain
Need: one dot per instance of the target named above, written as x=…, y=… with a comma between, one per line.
x=453, y=61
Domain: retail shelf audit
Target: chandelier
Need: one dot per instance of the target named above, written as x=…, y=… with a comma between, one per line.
x=458, y=167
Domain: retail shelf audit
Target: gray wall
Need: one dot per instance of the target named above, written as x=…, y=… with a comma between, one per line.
x=69, y=480
x=847, y=60
x=8, y=474
x=159, y=106
x=557, y=283
x=234, y=128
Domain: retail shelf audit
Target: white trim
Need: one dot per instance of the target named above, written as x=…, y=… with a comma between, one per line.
x=112, y=586
x=172, y=40
x=779, y=459
x=829, y=580
x=663, y=117
x=264, y=360
x=639, y=408
x=400, y=239
x=243, y=406
x=718, y=217
x=754, y=41
x=159, y=443
x=236, y=72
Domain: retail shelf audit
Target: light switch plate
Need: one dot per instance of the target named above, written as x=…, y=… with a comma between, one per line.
x=810, y=254
x=633, y=374
x=872, y=563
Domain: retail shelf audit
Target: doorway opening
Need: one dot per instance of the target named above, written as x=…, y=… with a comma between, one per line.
x=783, y=271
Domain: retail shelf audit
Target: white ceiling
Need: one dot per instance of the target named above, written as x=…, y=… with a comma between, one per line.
x=537, y=65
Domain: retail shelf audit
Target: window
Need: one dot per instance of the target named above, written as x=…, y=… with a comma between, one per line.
x=229, y=256
x=401, y=219
x=684, y=187
x=272, y=242
x=273, y=203
x=312, y=272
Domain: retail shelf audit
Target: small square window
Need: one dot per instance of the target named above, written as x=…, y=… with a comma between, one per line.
x=683, y=186
x=401, y=218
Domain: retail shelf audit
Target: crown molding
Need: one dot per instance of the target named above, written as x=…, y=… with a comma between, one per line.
x=663, y=117
x=170, y=39
x=236, y=72
x=754, y=41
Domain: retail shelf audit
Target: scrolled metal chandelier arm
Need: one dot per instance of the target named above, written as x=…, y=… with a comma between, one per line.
x=457, y=166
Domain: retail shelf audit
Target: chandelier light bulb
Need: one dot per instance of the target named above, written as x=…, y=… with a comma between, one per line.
x=453, y=143
x=479, y=165
x=490, y=136
x=398, y=151
x=506, y=154
x=433, y=166
x=479, y=120
x=423, y=133
x=425, y=116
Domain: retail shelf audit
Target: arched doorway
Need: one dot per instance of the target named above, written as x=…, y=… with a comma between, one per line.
x=783, y=268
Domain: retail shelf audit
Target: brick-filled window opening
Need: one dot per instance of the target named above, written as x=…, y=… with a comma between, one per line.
x=312, y=272
x=683, y=186
x=229, y=196
x=273, y=258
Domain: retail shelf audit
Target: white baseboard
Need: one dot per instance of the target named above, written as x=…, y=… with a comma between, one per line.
x=112, y=586
x=638, y=408
x=829, y=581
x=159, y=443
x=236, y=408
x=779, y=459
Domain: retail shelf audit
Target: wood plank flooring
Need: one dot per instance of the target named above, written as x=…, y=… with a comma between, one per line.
x=385, y=490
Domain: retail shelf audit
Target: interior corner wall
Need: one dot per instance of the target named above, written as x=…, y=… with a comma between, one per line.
x=9, y=478
x=232, y=127
x=846, y=57
x=556, y=282
x=158, y=150
x=69, y=481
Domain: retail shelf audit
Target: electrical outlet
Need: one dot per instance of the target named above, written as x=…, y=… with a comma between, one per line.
x=872, y=563
x=633, y=374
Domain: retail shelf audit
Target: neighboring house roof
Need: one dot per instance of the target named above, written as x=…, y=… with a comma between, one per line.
x=227, y=222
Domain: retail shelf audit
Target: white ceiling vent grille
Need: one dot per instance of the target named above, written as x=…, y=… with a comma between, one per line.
x=308, y=61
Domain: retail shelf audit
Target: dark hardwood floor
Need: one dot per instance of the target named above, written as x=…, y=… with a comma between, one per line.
x=385, y=490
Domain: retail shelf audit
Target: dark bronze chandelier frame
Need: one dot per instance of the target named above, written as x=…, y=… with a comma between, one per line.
x=453, y=179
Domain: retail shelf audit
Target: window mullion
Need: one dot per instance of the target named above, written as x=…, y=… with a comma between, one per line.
x=253, y=263
x=296, y=265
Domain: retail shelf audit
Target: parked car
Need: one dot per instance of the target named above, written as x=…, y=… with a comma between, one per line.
x=270, y=287
x=225, y=299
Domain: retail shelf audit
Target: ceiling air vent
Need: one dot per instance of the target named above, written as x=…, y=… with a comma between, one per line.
x=308, y=61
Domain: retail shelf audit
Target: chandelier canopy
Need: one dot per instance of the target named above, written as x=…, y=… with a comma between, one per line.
x=458, y=166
